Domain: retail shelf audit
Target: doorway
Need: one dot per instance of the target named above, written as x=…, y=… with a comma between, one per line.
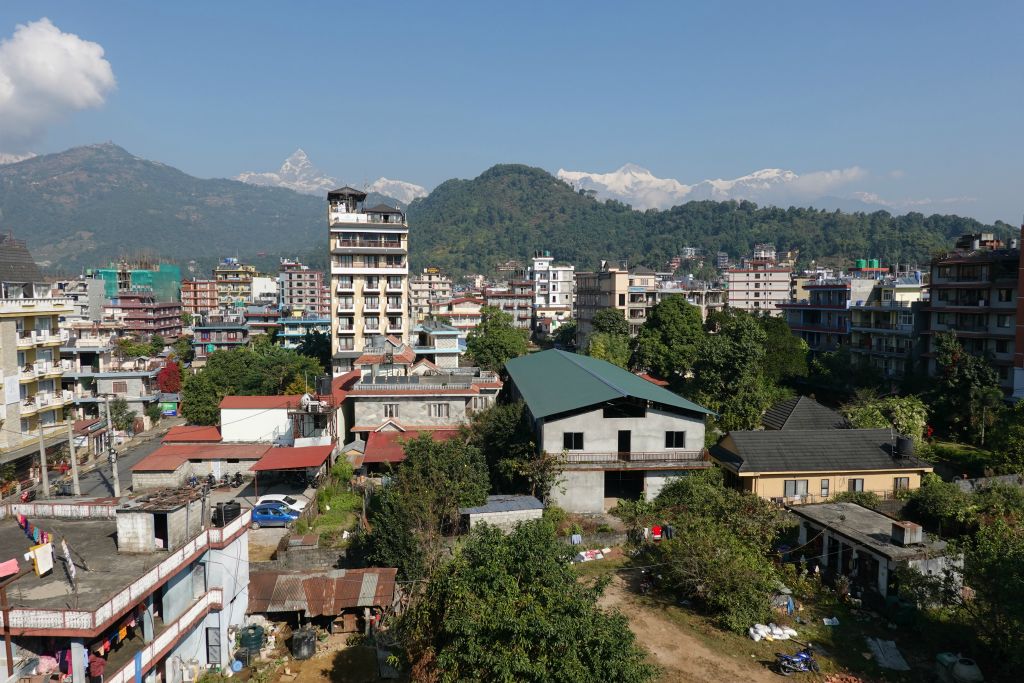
x=625, y=440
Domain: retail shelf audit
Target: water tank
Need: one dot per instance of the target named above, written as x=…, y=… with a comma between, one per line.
x=251, y=638
x=232, y=510
x=304, y=643
x=966, y=671
x=218, y=515
x=874, y=263
x=904, y=447
x=862, y=264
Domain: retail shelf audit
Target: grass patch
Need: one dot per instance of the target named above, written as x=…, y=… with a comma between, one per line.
x=590, y=570
x=337, y=506
x=955, y=459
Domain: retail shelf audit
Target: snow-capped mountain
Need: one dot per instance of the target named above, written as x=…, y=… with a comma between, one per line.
x=640, y=188
x=398, y=189
x=298, y=173
x=8, y=158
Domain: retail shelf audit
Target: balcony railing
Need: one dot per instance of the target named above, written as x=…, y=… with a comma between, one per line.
x=579, y=458
x=381, y=244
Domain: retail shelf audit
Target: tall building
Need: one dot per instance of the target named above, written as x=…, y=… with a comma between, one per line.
x=974, y=291
x=199, y=296
x=369, y=274
x=759, y=285
x=143, y=316
x=886, y=327
x=429, y=286
x=234, y=283
x=30, y=368
x=87, y=295
x=516, y=299
x=554, y=291
x=162, y=279
x=302, y=289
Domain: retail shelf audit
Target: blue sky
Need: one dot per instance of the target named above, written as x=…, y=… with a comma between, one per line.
x=926, y=98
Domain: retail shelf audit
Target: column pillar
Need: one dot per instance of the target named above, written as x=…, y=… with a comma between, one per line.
x=79, y=657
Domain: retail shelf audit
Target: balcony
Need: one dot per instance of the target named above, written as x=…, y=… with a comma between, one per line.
x=345, y=217
x=367, y=287
x=30, y=305
x=345, y=287
x=637, y=459
x=346, y=330
x=371, y=308
x=347, y=307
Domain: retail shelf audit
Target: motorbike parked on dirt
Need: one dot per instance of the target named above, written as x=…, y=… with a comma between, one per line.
x=802, y=661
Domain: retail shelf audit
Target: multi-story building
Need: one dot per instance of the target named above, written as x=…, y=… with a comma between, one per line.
x=218, y=332
x=607, y=287
x=234, y=283
x=30, y=369
x=707, y=296
x=823, y=319
x=438, y=343
x=369, y=274
x=163, y=280
x=425, y=288
x=296, y=326
x=157, y=589
x=261, y=319
x=516, y=299
x=86, y=295
x=199, y=296
x=143, y=316
x=886, y=327
x=974, y=291
x=760, y=285
x=462, y=313
x=554, y=291
x=302, y=289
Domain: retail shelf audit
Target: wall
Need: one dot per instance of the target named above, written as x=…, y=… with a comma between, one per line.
x=412, y=410
x=256, y=425
x=228, y=569
x=655, y=481
x=135, y=532
x=506, y=520
x=773, y=486
x=583, y=491
x=601, y=435
x=159, y=480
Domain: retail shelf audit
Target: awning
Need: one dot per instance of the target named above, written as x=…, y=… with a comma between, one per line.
x=288, y=458
x=321, y=593
x=387, y=446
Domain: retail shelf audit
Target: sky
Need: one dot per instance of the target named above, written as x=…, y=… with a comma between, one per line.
x=912, y=103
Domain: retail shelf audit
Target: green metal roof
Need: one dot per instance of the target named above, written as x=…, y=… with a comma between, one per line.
x=556, y=381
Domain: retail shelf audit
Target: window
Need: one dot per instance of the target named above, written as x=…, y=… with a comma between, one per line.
x=120, y=387
x=622, y=299
x=437, y=409
x=824, y=488
x=856, y=485
x=1003, y=320
x=795, y=487
x=371, y=261
x=900, y=483
x=572, y=441
x=390, y=410
x=344, y=261
x=675, y=439
x=1005, y=295
x=1002, y=346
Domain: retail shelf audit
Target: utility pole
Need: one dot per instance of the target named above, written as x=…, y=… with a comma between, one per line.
x=112, y=453
x=74, y=458
x=42, y=463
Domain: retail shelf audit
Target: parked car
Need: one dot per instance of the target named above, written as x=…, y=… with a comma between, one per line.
x=290, y=502
x=272, y=515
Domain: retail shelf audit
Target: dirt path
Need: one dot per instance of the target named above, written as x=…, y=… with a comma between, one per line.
x=682, y=656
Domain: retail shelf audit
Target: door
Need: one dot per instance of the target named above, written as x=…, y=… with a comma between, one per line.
x=625, y=439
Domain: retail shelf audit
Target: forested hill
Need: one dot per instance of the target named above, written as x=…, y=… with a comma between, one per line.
x=511, y=210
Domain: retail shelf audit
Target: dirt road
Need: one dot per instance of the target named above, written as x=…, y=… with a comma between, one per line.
x=681, y=655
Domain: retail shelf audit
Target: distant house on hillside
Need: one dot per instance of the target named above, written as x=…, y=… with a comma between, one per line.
x=621, y=436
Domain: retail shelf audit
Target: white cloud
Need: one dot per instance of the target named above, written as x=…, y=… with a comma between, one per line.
x=819, y=183
x=46, y=74
x=911, y=204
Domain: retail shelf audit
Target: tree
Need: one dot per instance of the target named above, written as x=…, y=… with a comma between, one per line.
x=565, y=335
x=785, y=353
x=613, y=348
x=121, y=416
x=186, y=319
x=154, y=413
x=510, y=608
x=129, y=348
x=315, y=344
x=1008, y=438
x=669, y=339
x=503, y=435
x=962, y=386
x=908, y=415
x=156, y=345
x=182, y=349
x=169, y=378
x=495, y=340
x=610, y=321
x=938, y=505
x=986, y=405
x=200, y=399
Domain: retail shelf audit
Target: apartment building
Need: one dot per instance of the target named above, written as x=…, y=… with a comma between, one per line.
x=462, y=313
x=302, y=289
x=823, y=319
x=86, y=295
x=261, y=319
x=516, y=298
x=554, y=291
x=143, y=316
x=974, y=291
x=760, y=285
x=163, y=280
x=295, y=327
x=438, y=343
x=30, y=370
x=369, y=274
x=234, y=283
x=199, y=296
x=147, y=581
x=425, y=288
x=218, y=332
x=886, y=327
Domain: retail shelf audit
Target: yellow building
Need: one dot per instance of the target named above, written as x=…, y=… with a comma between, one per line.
x=811, y=466
x=30, y=365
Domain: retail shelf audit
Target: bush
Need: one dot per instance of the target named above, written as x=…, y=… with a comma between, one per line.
x=868, y=499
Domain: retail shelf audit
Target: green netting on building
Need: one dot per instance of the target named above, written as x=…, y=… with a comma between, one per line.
x=164, y=281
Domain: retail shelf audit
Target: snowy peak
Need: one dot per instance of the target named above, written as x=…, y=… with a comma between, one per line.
x=397, y=189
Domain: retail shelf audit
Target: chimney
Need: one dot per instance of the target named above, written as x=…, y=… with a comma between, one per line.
x=907, y=533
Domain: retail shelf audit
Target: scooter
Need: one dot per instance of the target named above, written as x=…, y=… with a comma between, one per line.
x=802, y=661
x=236, y=480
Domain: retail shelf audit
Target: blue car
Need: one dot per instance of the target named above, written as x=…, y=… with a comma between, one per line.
x=272, y=515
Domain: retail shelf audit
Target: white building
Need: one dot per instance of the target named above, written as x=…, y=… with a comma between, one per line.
x=621, y=436
x=369, y=274
x=554, y=291
x=758, y=286
x=429, y=286
x=264, y=291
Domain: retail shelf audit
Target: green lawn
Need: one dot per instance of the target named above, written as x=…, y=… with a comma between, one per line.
x=952, y=459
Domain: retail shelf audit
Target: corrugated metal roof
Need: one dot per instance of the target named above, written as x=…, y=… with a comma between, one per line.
x=554, y=381
x=321, y=593
x=504, y=504
x=290, y=458
x=256, y=402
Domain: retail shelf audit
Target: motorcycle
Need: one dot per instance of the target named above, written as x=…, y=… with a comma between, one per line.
x=193, y=481
x=802, y=661
x=211, y=481
x=237, y=480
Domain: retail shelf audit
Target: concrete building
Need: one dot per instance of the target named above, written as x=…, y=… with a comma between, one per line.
x=234, y=283
x=812, y=465
x=147, y=581
x=438, y=343
x=265, y=291
x=759, y=285
x=886, y=328
x=295, y=327
x=867, y=547
x=554, y=291
x=426, y=288
x=620, y=436
x=823, y=320
x=217, y=332
x=974, y=291
x=261, y=319
x=30, y=369
x=86, y=295
x=199, y=297
x=143, y=316
x=162, y=280
x=516, y=298
x=369, y=274
x=462, y=313
x=303, y=289
x=597, y=290
x=504, y=512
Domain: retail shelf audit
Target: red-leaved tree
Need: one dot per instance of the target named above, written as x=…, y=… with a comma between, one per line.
x=169, y=378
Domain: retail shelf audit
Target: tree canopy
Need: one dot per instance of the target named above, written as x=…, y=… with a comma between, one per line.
x=610, y=321
x=668, y=342
x=495, y=340
x=315, y=344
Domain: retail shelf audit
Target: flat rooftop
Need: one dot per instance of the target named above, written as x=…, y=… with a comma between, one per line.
x=869, y=529
x=93, y=540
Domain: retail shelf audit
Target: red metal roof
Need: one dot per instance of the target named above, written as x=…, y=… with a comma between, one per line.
x=341, y=385
x=169, y=456
x=260, y=402
x=321, y=593
x=192, y=434
x=82, y=426
x=652, y=380
x=289, y=458
x=387, y=446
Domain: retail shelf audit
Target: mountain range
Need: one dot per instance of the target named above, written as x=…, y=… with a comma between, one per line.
x=298, y=173
x=89, y=205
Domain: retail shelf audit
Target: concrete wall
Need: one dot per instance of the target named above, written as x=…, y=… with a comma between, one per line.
x=135, y=532
x=412, y=410
x=158, y=480
x=505, y=520
x=774, y=485
x=601, y=435
x=655, y=481
x=228, y=569
x=256, y=425
x=181, y=590
x=584, y=491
